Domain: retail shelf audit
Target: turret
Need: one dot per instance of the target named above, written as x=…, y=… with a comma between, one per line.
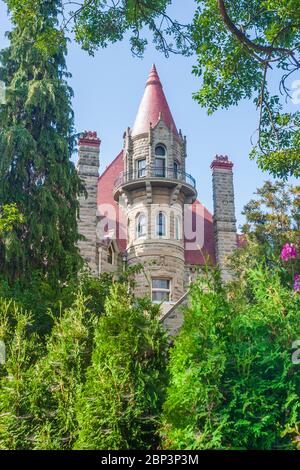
x=156, y=186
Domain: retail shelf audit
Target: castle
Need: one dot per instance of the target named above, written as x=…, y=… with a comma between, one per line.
x=143, y=209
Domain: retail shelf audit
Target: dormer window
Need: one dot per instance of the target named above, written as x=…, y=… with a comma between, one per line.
x=160, y=151
x=160, y=161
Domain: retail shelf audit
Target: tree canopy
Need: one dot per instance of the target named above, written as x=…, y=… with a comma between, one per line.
x=96, y=23
x=36, y=144
x=242, y=48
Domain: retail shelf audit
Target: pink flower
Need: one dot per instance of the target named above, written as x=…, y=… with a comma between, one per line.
x=288, y=252
x=296, y=285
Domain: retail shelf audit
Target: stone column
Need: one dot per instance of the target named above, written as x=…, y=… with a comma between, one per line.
x=224, y=212
x=88, y=170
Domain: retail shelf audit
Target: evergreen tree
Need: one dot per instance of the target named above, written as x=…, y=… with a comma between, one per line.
x=36, y=143
x=39, y=381
x=57, y=376
x=120, y=402
x=233, y=383
x=21, y=351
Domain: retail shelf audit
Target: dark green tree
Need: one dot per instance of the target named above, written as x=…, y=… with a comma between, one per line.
x=233, y=381
x=19, y=350
x=120, y=402
x=244, y=46
x=36, y=143
x=58, y=375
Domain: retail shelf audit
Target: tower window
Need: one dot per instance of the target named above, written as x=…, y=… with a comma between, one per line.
x=141, y=227
x=176, y=170
x=160, y=151
x=160, y=161
x=141, y=167
x=161, y=224
x=177, y=228
x=110, y=255
x=161, y=290
x=160, y=167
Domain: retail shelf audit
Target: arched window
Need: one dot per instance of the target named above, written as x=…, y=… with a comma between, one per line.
x=161, y=225
x=160, y=161
x=177, y=227
x=141, y=226
x=160, y=151
x=110, y=255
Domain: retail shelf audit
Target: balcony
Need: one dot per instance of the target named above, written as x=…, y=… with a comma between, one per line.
x=169, y=177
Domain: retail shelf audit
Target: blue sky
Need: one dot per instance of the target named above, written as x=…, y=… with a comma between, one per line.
x=108, y=88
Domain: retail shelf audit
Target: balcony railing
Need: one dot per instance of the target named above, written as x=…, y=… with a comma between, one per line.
x=161, y=173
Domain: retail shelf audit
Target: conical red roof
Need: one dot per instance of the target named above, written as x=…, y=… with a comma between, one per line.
x=152, y=105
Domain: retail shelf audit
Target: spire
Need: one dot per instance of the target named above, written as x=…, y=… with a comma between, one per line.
x=153, y=106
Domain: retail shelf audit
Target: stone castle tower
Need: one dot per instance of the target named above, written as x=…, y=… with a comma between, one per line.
x=143, y=209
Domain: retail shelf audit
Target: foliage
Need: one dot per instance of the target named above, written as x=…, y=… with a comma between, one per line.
x=22, y=349
x=9, y=218
x=273, y=217
x=233, y=384
x=239, y=45
x=57, y=376
x=96, y=23
x=38, y=296
x=120, y=401
x=272, y=220
x=36, y=143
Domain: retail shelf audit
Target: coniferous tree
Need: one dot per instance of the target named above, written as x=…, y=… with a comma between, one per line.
x=36, y=143
x=234, y=380
x=39, y=382
x=121, y=399
x=20, y=349
x=57, y=376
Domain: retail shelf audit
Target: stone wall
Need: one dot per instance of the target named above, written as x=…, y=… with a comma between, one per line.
x=224, y=212
x=88, y=170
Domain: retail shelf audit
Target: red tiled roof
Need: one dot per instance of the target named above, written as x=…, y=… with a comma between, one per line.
x=152, y=105
x=105, y=192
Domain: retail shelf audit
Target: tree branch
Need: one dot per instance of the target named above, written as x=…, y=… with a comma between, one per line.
x=243, y=38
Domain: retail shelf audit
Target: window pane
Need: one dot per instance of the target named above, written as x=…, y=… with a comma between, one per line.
x=141, y=168
x=160, y=165
x=158, y=296
x=141, y=225
x=160, y=284
x=175, y=170
x=161, y=225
